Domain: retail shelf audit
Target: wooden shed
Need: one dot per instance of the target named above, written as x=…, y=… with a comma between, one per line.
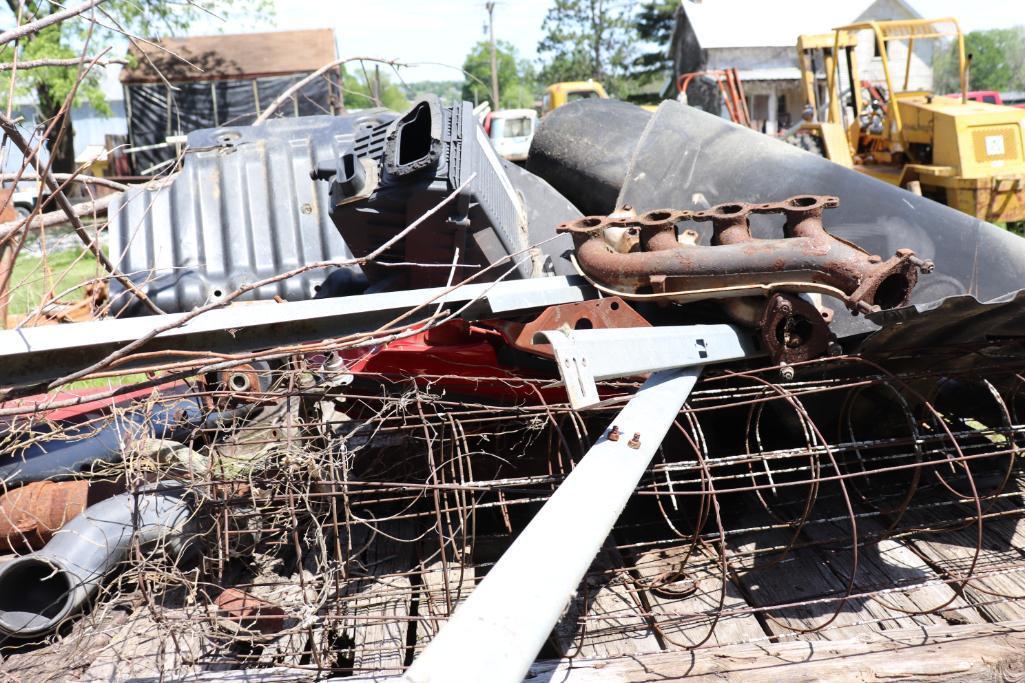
x=177, y=85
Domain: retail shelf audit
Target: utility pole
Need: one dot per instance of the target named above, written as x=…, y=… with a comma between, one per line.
x=490, y=6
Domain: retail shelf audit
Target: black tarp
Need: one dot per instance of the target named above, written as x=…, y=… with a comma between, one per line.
x=156, y=112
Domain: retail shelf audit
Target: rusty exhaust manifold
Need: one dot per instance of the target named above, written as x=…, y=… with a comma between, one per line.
x=807, y=259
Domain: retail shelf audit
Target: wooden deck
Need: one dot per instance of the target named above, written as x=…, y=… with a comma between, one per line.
x=904, y=607
x=666, y=612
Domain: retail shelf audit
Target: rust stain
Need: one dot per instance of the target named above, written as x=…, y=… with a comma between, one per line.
x=244, y=611
x=31, y=514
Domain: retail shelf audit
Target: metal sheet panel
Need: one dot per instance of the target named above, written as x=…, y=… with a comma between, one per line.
x=242, y=208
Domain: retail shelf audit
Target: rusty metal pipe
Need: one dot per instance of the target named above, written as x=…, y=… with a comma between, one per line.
x=40, y=590
x=242, y=612
x=806, y=255
x=30, y=515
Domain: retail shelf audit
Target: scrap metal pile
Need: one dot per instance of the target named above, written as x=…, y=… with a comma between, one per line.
x=788, y=371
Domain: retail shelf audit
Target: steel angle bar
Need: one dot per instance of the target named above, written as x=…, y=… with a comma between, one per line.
x=35, y=354
x=584, y=356
x=497, y=633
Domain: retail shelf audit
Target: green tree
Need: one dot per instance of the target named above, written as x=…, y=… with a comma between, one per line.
x=998, y=61
x=516, y=78
x=78, y=35
x=589, y=39
x=370, y=86
x=655, y=22
x=450, y=92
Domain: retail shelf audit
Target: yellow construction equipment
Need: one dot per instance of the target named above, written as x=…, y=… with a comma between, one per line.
x=968, y=155
x=558, y=94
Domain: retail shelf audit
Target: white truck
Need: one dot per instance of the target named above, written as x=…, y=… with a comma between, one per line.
x=511, y=131
x=25, y=193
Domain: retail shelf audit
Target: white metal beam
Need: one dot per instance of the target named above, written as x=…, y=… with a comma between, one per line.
x=496, y=634
x=584, y=356
x=34, y=354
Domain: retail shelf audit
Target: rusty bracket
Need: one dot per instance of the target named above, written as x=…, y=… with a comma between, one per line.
x=597, y=314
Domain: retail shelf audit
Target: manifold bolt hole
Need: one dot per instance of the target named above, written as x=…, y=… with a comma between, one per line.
x=793, y=331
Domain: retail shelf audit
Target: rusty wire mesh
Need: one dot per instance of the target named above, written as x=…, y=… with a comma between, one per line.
x=365, y=506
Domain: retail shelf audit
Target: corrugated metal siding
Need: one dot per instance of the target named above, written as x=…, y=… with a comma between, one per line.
x=243, y=208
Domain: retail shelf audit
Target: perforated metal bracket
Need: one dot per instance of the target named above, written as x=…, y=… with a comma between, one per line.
x=586, y=356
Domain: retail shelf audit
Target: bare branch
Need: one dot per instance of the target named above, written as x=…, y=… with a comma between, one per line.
x=71, y=61
x=50, y=218
x=283, y=97
x=73, y=177
x=48, y=20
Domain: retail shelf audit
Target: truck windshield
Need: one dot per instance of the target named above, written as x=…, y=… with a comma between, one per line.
x=575, y=95
x=511, y=128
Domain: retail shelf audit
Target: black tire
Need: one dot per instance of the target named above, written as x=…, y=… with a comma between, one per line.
x=23, y=210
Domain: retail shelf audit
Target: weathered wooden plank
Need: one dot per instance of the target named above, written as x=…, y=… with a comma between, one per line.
x=142, y=647
x=380, y=613
x=767, y=580
x=883, y=564
x=684, y=620
x=605, y=619
x=268, y=675
x=971, y=653
x=377, y=603
x=1003, y=548
x=70, y=656
x=441, y=585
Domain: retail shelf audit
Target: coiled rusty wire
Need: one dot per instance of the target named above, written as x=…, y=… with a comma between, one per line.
x=374, y=511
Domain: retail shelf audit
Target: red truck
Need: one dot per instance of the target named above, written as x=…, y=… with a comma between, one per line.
x=989, y=97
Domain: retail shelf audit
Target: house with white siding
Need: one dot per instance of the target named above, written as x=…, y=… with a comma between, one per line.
x=91, y=126
x=759, y=38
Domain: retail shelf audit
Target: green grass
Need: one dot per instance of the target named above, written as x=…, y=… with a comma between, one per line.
x=65, y=270
x=31, y=280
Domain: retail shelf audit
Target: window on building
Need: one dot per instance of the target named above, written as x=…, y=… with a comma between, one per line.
x=760, y=107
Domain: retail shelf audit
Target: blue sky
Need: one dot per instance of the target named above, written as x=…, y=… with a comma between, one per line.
x=443, y=31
